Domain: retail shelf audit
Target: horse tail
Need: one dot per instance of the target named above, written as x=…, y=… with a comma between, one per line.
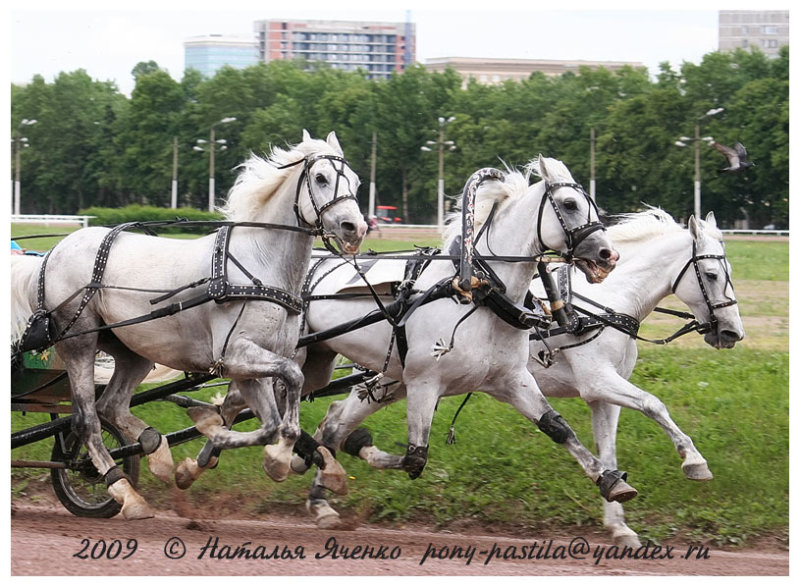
x=23, y=276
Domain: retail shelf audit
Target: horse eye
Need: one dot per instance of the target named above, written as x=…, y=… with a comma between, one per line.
x=711, y=276
x=321, y=179
x=571, y=205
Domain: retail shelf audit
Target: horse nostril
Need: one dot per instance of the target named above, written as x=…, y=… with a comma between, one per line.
x=608, y=254
x=349, y=227
x=730, y=335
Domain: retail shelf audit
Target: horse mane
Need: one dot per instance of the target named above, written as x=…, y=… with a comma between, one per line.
x=636, y=226
x=513, y=186
x=260, y=178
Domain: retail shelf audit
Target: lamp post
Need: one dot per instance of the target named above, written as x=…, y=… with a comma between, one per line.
x=20, y=142
x=592, y=182
x=441, y=144
x=174, y=198
x=684, y=140
x=212, y=142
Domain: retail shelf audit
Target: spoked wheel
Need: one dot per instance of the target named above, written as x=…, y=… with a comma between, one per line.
x=79, y=486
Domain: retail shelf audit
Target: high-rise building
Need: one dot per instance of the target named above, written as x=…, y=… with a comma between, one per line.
x=766, y=30
x=209, y=53
x=378, y=48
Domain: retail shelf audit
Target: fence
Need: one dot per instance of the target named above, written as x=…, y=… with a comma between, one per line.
x=47, y=219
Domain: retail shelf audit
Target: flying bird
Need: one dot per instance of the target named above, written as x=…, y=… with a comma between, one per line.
x=736, y=157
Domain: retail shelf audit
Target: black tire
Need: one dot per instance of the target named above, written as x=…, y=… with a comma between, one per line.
x=80, y=487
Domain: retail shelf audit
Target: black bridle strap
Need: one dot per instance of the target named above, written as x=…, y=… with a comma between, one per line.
x=305, y=177
x=574, y=236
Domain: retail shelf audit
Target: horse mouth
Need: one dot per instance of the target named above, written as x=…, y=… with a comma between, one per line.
x=594, y=272
x=348, y=248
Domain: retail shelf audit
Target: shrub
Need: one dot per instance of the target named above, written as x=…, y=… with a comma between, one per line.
x=139, y=213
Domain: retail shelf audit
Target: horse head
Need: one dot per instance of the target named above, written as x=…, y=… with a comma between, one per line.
x=326, y=194
x=570, y=224
x=705, y=285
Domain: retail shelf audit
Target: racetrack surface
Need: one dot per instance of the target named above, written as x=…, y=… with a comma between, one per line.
x=47, y=540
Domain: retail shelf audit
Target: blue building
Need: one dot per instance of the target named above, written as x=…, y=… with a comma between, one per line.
x=209, y=53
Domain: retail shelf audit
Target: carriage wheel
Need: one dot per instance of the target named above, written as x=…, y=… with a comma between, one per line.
x=80, y=487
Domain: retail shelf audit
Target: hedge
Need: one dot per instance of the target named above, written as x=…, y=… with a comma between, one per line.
x=140, y=213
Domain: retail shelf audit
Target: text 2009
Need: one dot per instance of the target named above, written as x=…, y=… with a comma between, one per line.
x=101, y=550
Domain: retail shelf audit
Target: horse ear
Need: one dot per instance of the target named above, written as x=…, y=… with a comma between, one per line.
x=306, y=135
x=542, y=167
x=334, y=142
x=711, y=219
x=694, y=227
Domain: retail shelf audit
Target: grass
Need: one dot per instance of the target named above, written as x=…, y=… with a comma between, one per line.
x=733, y=403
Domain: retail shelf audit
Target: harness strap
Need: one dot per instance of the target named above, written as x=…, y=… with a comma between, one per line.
x=100, y=262
x=221, y=290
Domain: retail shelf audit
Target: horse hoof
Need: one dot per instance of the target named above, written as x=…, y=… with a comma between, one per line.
x=699, y=471
x=298, y=465
x=205, y=418
x=324, y=515
x=137, y=511
x=275, y=468
x=334, y=478
x=627, y=540
x=330, y=521
x=134, y=507
x=160, y=462
x=621, y=492
x=186, y=473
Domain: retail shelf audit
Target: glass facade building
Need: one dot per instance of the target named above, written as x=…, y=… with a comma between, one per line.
x=209, y=53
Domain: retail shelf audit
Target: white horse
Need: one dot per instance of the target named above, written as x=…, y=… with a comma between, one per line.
x=485, y=352
x=657, y=257
x=226, y=303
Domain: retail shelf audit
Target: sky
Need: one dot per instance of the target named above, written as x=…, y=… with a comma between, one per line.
x=107, y=42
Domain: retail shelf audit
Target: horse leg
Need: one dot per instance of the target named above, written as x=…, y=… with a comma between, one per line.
x=420, y=405
x=605, y=417
x=252, y=367
x=191, y=469
x=617, y=390
x=78, y=355
x=527, y=398
x=114, y=404
x=338, y=430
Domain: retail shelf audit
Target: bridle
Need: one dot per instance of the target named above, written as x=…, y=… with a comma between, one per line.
x=576, y=235
x=694, y=262
x=305, y=177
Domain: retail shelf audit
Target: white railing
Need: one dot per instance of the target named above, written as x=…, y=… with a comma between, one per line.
x=50, y=219
x=758, y=232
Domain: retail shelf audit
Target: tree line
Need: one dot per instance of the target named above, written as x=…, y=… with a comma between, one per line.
x=93, y=146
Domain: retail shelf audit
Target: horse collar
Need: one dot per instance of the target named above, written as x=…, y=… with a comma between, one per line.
x=220, y=288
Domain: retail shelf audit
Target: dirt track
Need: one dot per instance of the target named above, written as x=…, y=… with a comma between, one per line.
x=47, y=540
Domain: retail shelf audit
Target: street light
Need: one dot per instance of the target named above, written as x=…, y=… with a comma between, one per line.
x=684, y=141
x=212, y=142
x=441, y=144
x=20, y=142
